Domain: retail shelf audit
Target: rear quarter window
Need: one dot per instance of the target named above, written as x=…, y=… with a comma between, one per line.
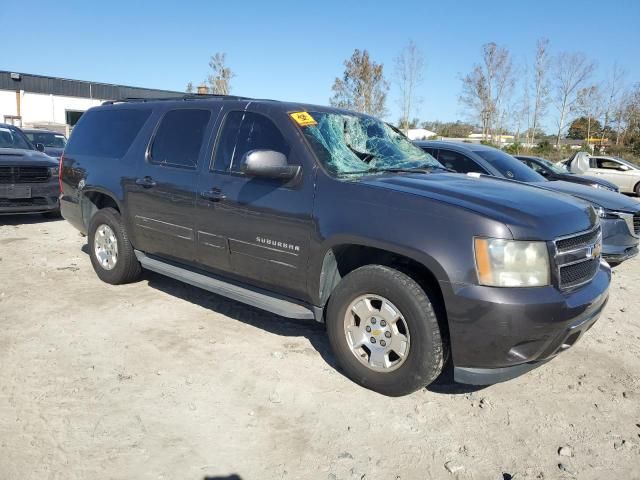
x=106, y=133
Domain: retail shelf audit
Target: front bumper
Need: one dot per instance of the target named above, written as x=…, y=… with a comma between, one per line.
x=618, y=243
x=500, y=333
x=44, y=198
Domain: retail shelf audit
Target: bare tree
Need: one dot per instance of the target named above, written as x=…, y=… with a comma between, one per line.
x=572, y=70
x=220, y=80
x=409, y=67
x=614, y=89
x=589, y=104
x=540, y=85
x=486, y=88
x=189, y=88
x=362, y=87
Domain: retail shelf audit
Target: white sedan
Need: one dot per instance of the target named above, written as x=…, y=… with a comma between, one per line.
x=625, y=175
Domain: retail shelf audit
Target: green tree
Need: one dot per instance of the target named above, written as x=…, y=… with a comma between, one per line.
x=581, y=126
x=362, y=87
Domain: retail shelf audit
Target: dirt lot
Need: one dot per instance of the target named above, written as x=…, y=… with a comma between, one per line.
x=164, y=381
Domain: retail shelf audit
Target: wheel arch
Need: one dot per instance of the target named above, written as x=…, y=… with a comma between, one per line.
x=96, y=199
x=340, y=258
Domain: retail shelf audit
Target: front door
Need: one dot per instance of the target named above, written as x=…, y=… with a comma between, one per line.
x=256, y=229
x=162, y=200
x=613, y=171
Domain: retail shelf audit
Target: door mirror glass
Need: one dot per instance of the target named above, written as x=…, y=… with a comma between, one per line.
x=268, y=164
x=623, y=168
x=40, y=147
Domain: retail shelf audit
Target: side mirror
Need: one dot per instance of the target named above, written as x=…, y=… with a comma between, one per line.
x=40, y=147
x=623, y=168
x=269, y=164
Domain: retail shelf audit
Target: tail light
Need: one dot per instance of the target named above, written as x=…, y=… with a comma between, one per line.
x=60, y=173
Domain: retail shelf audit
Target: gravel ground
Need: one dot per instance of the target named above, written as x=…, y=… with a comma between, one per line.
x=164, y=381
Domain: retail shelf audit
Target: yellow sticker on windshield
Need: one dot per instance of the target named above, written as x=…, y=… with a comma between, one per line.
x=303, y=119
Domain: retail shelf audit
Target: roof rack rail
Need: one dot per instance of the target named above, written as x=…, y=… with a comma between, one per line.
x=186, y=96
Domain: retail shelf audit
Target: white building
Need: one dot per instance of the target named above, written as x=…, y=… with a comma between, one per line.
x=57, y=103
x=420, y=134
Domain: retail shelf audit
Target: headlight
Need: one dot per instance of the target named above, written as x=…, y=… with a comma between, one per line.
x=54, y=171
x=606, y=214
x=511, y=263
x=604, y=187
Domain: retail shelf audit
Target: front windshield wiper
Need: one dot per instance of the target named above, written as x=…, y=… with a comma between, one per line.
x=419, y=169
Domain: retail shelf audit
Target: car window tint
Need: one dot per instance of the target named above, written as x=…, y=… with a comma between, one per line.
x=179, y=138
x=458, y=162
x=106, y=133
x=536, y=166
x=243, y=132
x=431, y=151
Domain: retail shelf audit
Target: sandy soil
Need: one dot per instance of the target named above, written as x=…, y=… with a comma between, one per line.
x=164, y=381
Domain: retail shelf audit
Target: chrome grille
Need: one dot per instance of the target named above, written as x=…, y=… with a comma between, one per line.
x=577, y=257
x=636, y=223
x=23, y=174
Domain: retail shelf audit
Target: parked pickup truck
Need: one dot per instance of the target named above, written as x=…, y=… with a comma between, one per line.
x=317, y=213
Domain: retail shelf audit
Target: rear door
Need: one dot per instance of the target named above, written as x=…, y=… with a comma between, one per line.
x=162, y=198
x=256, y=229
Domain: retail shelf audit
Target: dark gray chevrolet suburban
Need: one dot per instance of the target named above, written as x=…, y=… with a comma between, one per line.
x=317, y=213
x=28, y=178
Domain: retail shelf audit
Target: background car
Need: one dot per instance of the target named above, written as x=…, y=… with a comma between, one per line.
x=28, y=178
x=53, y=142
x=619, y=215
x=624, y=174
x=559, y=171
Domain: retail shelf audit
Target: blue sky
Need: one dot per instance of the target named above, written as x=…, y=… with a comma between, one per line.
x=293, y=50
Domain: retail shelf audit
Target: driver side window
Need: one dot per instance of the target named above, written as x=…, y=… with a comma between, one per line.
x=608, y=164
x=458, y=162
x=241, y=133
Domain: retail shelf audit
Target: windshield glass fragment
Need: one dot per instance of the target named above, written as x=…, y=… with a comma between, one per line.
x=357, y=144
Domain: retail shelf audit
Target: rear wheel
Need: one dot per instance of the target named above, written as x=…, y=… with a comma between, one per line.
x=637, y=189
x=384, y=332
x=111, y=252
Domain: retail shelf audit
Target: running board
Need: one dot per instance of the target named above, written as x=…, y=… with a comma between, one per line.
x=252, y=297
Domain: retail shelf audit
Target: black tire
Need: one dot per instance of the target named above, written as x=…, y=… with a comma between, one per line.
x=637, y=189
x=425, y=357
x=127, y=269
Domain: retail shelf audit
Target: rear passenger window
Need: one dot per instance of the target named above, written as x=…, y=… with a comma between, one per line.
x=243, y=132
x=179, y=138
x=106, y=133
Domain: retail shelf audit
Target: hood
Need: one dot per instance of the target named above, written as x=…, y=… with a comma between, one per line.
x=600, y=198
x=17, y=157
x=529, y=212
x=54, y=152
x=582, y=179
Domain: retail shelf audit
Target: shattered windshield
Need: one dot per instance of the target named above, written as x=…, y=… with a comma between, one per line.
x=352, y=144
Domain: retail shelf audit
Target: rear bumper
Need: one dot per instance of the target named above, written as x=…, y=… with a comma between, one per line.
x=500, y=333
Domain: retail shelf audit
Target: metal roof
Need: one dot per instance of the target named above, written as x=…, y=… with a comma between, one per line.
x=75, y=88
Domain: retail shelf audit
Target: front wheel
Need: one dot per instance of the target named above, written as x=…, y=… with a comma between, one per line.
x=384, y=331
